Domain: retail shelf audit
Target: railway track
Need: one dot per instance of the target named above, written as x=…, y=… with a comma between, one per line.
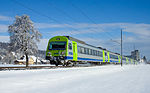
x=31, y=67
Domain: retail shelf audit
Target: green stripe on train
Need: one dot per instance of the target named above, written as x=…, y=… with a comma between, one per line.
x=75, y=54
x=103, y=56
x=127, y=60
x=131, y=61
x=118, y=59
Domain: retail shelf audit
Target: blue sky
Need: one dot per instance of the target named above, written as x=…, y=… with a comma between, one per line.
x=96, y=22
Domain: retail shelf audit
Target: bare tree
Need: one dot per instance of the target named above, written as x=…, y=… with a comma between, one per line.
x=23, y=36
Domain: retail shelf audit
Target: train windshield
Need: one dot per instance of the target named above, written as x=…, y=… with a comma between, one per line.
x=57, y=46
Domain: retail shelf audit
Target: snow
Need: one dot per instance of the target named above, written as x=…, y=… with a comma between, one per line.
x=99, y=79
x=23, y=36
x=12, y=65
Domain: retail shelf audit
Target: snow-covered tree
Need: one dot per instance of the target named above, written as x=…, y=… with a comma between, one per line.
x=23, y=36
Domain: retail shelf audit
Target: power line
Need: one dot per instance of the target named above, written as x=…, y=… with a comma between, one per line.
x=66, y=14
x=39, y=13
x=60, y=10
x=84, y=14
x=63, y=12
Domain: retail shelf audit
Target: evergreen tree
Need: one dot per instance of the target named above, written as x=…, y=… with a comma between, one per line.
x=23, y=36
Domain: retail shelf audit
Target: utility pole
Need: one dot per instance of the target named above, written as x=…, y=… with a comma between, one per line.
x=121, y=47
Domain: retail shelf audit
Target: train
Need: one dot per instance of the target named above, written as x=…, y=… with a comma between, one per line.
x=66, y=50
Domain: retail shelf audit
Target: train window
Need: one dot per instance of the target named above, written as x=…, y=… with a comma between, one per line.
x=94, y=52
x=105, y=54
x=82, y=50
x=87, y=51
x=100, y=53
x=110, y=55
x=70, y=46
x=113, y=56
x=116, y=57
x=79, y=49
x=123, y=58
x=90, y=51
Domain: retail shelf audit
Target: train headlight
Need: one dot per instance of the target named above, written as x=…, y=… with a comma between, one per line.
x=49, y=53
x=62, y=53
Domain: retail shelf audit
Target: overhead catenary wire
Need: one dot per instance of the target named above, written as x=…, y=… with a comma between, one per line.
x=67, y=15
x=84, y=14
x=41, y=14
x=34, y=11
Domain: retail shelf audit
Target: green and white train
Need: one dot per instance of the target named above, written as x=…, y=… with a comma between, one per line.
x=64, y=50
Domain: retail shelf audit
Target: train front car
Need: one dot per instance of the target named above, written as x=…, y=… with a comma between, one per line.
x=57, y=50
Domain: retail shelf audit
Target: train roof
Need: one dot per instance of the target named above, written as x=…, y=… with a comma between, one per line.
x=82, y=42
x=74, y=39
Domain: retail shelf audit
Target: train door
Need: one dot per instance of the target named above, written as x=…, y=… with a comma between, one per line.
x=75, y=56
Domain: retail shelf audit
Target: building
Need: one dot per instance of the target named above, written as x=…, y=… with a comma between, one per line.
x=32, y=60
x=135, y=55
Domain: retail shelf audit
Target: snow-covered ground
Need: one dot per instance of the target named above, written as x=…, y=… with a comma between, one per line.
x=12, y=65
x=100, y=79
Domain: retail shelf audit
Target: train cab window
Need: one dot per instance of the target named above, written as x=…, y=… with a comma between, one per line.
x=70, y=46
x=57, y=45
